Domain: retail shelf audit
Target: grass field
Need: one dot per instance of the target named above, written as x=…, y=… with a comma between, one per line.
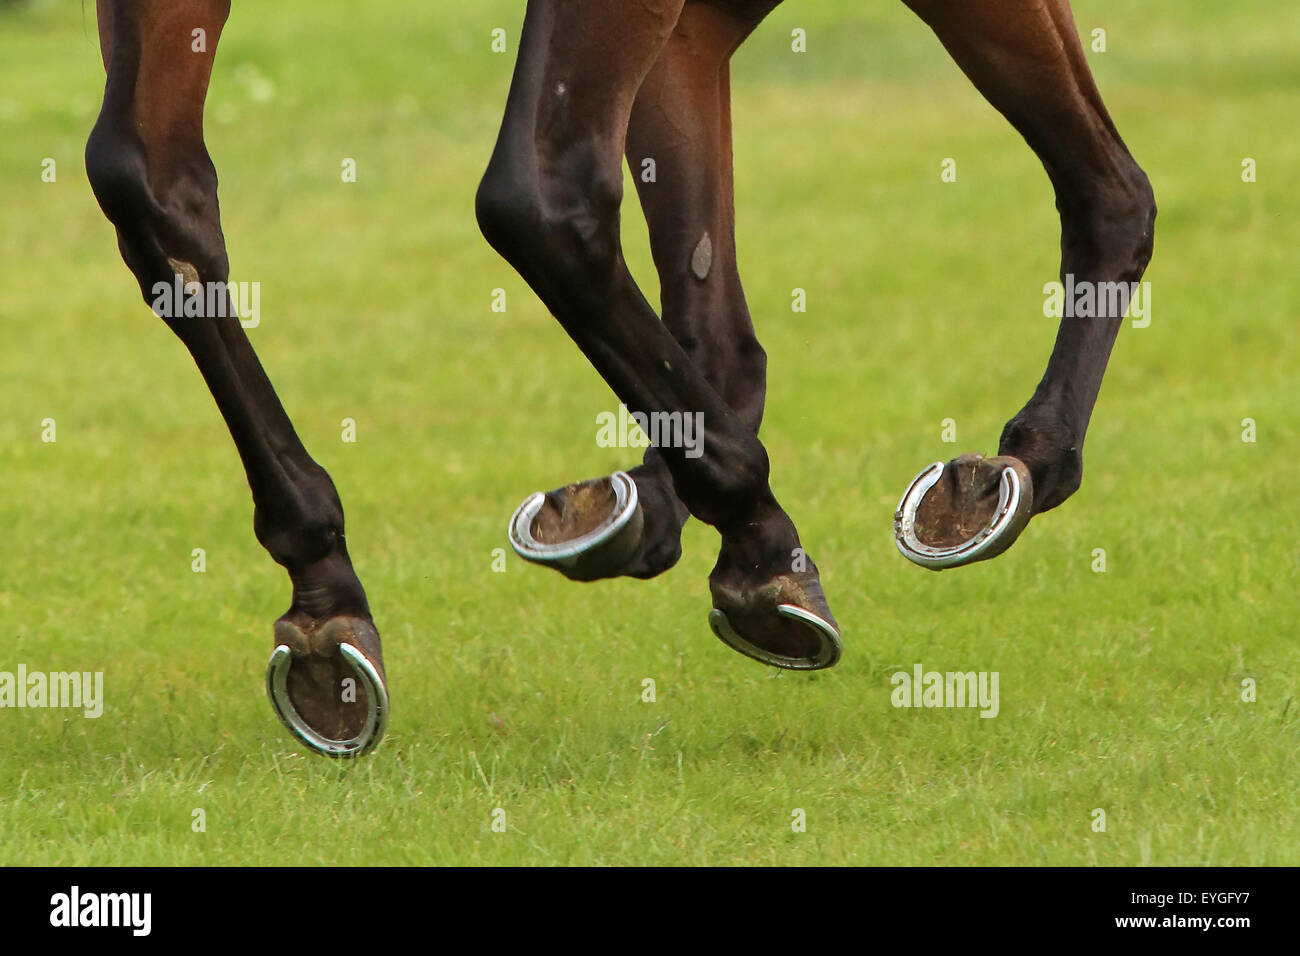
x=521, y=691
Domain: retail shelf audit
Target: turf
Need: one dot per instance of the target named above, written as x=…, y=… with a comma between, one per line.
x=1120, y=691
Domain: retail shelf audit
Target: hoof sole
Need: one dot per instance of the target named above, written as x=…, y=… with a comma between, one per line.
x=371, y=681
x=598, y=552
x=1009, y=517
x=822, y=632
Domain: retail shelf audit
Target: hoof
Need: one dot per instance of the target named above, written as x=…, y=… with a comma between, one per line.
x=775, y=625
x=971, y=509
x=307, y=682
x=585, y=531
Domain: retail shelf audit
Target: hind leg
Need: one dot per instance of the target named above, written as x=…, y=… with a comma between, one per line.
x=1029, y=64
x=150, y=170
x=549, y=203
x=679, y=151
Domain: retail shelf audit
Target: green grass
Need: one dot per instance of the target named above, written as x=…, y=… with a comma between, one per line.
x=520, y=690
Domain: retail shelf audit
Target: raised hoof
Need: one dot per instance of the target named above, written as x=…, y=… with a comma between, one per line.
x=971, y=509
x=585, y=531
x=326, y=684
x=775, y=625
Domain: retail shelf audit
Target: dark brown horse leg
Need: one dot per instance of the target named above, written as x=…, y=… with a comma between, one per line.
x=679, y=150
x=1028, y=62
x=549, y=204
x=150, y=170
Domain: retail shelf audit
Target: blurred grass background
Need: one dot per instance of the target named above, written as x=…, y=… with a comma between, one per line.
x=520, y=690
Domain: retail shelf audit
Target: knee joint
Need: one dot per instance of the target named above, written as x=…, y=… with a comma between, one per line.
x=1115, y=230
x=566, y=224
x=177, y=220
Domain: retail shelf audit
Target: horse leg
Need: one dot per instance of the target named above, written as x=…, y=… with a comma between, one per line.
x=150, y=170
x=681, y=123
x=1029, y=64
x=549, y=203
